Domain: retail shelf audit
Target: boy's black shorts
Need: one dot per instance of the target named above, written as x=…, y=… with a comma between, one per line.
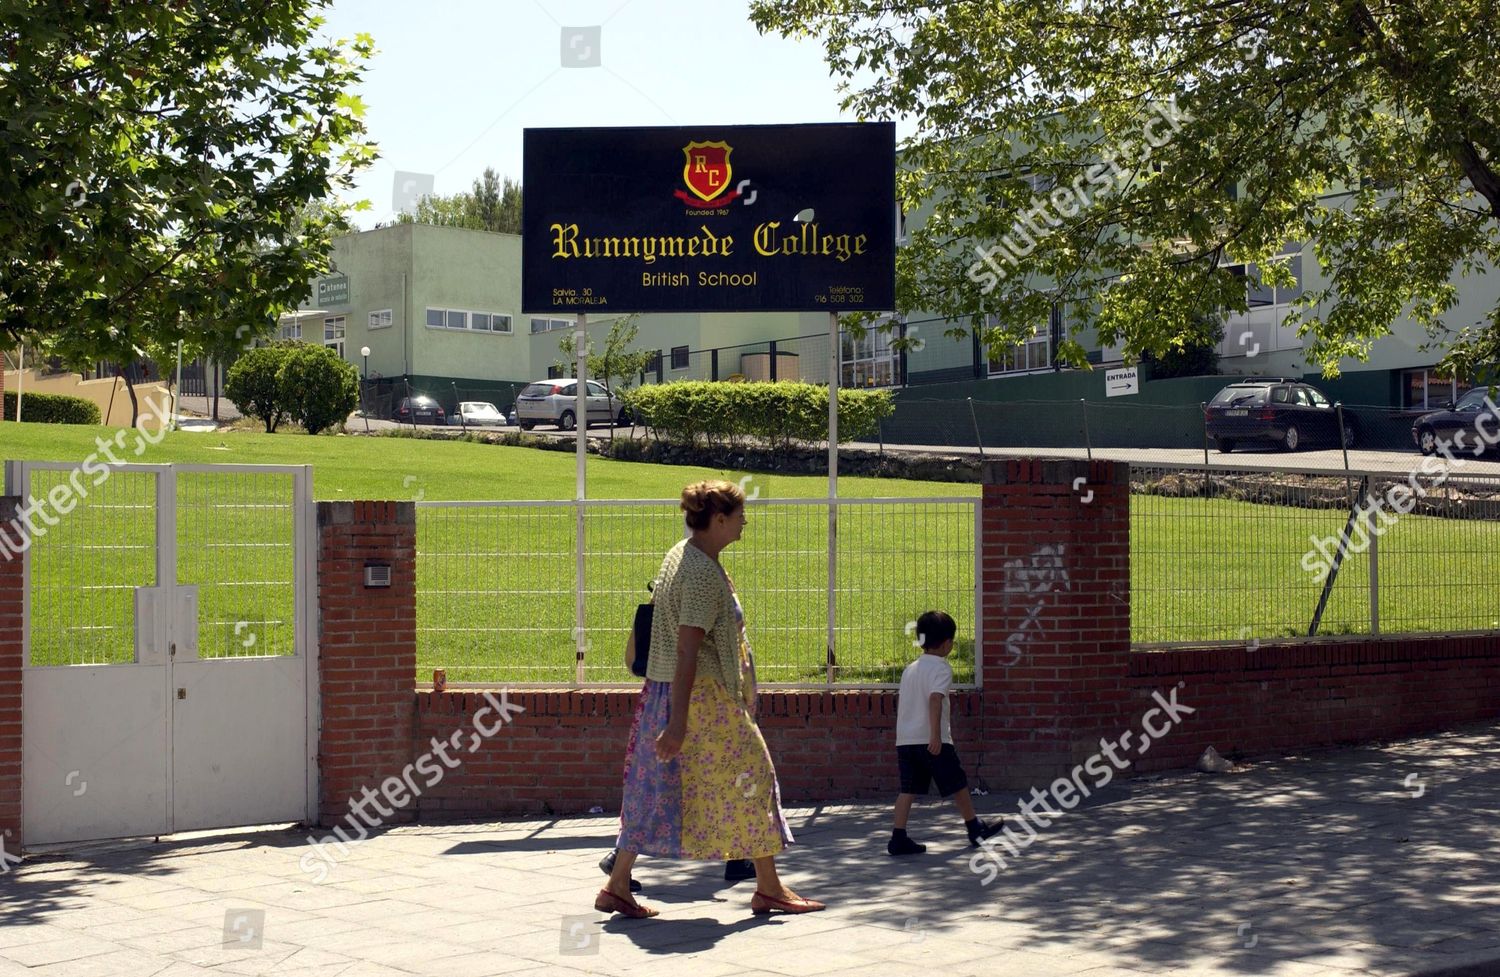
x=920, y=768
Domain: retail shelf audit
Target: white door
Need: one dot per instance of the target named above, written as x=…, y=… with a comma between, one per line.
x=166, y=682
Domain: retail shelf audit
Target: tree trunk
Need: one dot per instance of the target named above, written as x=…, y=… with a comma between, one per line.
x=135, y=405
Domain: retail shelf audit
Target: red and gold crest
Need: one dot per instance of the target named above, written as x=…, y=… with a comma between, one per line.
x=707, y=170
x=707, y=174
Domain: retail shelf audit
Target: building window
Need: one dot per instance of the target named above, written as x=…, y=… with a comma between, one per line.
x=1262, y=328
x=292, y=330
x=679, y=357
x=547, y=325
x=554, y=372
x=1030, y=356
x=333, y=334
x=654, y=366
x=472, y=321
x=868, y=360
x=382, y=319
x=1426, y=389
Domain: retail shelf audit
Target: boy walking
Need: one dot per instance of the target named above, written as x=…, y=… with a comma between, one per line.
x=924, y=738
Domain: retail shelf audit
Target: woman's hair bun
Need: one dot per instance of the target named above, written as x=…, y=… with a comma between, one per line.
x=701, y=501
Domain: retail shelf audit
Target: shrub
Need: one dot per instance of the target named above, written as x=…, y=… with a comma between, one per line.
x=319, y=390
x=778, y=414
x=254, y=384
x=53, y=409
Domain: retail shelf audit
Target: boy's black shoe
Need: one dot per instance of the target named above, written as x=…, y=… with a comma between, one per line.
x=738, y=870
x=979, y=831
x=607, y=866
x=902, y=845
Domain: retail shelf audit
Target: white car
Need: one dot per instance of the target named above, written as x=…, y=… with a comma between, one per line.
x=556, y=402
x=476, y=413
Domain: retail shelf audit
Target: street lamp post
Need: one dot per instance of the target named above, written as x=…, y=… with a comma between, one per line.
x=364, y=385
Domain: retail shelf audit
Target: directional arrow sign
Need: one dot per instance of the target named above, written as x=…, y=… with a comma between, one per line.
x=1118, y=383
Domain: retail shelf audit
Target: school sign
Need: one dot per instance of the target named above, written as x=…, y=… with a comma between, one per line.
x=782, y=218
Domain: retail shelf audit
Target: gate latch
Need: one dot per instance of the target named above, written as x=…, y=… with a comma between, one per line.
x=182, y=693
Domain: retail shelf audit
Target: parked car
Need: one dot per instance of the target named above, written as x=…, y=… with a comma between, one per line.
x=1276, y=411
x=556, y=402
x=420, y=409
x=476, y=413
x=1472, y=410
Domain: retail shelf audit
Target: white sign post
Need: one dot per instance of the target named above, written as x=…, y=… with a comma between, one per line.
x=1119, y=383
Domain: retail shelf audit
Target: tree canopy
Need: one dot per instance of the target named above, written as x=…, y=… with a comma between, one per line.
x=1118, y=156
x=161, y=168
x=492, y=205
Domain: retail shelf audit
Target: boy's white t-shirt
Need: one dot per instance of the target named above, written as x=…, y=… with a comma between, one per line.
x=926, y=675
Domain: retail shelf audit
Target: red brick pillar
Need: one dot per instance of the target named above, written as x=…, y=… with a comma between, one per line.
x=11, y=597
x=367, y=650
x=1055, y=601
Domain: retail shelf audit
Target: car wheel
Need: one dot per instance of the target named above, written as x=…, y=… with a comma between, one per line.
x=1426, y=440
x=526, y=425
x=1226, y=445
x=1292, y=438
x=1350, y=435
x=624, y=417
x=565, y=420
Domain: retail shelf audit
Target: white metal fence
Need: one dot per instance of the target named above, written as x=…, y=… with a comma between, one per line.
x=497, y=601
x=1251, y=554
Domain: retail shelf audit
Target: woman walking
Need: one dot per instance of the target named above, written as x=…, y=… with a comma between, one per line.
x=699, y=783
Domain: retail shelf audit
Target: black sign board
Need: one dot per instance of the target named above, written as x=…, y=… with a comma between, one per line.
x=782, y=218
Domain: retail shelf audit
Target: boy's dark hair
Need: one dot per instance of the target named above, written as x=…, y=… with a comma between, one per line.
x=935, y=627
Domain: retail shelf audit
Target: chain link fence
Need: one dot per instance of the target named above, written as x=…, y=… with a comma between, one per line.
x=1242, y=555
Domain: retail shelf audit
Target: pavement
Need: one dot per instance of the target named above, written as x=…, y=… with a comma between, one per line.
x=1374, y=860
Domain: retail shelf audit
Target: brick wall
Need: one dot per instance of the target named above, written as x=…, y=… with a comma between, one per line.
x=1318, y=693
x=10, y=690
x=566, y=752
x=367, y=649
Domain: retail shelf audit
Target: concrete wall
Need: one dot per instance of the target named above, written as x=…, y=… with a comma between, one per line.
x=109, y=394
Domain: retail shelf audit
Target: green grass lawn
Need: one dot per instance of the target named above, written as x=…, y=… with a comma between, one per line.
x=495, y=585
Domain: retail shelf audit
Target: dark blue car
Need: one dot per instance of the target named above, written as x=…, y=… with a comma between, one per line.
x=1275, y=412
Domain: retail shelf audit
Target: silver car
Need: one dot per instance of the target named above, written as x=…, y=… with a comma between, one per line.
x=556, y=402
x=476, y=413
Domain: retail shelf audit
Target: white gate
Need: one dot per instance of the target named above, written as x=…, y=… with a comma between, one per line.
x=168, y=678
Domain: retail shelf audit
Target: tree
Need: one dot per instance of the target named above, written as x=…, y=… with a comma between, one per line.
x=492, y=204
x=1118, y=156
x=318, y=389
x=1195, y=356
x=160, y=157
x=254, y=384
x=617, y=358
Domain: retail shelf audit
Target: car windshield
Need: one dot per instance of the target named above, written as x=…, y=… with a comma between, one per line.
x=1474, y=399
x=480, y=409
x=1240, y=397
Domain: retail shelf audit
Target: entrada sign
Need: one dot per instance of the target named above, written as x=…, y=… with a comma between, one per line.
x=788, y=218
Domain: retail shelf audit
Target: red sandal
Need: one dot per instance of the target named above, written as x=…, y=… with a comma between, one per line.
x=760, y=904
x=608, y=902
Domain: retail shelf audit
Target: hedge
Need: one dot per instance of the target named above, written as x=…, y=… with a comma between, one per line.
x=779, y=414
x=52, y=409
